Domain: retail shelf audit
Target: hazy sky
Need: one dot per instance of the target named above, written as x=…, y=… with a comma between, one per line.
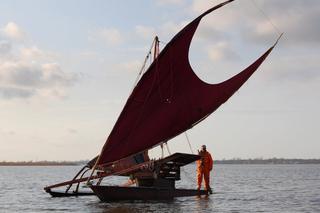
x=67, y=68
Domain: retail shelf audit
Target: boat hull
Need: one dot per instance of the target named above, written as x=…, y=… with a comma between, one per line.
x=110, y=193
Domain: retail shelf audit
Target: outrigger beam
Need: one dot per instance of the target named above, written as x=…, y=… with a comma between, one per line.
x=74, y=181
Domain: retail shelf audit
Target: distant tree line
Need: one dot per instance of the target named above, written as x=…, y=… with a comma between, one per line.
x=42, y=163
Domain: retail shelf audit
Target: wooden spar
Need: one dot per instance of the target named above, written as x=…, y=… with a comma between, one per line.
x=74, y=181
x=77, y=188
x=75, y=177
x=94, y=167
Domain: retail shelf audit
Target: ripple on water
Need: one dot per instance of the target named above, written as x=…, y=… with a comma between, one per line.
x=238, y=188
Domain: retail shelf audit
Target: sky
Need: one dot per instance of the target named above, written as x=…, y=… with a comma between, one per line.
x=67, y=68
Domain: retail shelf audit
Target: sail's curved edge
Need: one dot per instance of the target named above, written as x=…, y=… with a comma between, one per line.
x=238, y=80
x=198, y=19
x=228, y=87
x=264, y=55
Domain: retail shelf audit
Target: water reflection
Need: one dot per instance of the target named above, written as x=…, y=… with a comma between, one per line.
x=136, y=206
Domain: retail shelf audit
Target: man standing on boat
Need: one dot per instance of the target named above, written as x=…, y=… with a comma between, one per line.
x=204, y=166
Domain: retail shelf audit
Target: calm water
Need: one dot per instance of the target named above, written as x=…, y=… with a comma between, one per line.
x=237, y=188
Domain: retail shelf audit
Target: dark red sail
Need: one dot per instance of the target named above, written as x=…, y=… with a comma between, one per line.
x=169, y=99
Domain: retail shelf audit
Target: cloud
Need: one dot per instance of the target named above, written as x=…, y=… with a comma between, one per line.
x=298, y=20
x=165, y=31
x=171, y=27
x=170, y=2
x=23, y=80
x=7, y=132
x=13, y=31
x=200, y=6
x=289, y=68
x=12, y=92
x=130, y=66
x=224, y=22
x=72, y=131
x=19, y=73
x=145, y=32
x=34, y=53
x=222, y=51
x=5, y=47
x=109, y=36
x=259, y=21
x=27, y=71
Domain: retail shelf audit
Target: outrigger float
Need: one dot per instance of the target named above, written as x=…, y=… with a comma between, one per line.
x=167, y=100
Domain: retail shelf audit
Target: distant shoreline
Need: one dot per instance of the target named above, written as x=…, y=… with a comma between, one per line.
x=277, y=161
x=43, y=163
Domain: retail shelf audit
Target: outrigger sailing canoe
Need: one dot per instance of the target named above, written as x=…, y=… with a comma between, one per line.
x=168, y=100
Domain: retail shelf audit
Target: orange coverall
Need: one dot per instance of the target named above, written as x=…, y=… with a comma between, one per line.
x=204, y=166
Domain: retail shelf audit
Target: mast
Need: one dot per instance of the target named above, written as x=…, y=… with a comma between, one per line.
x=156, y=52
x=156, y=48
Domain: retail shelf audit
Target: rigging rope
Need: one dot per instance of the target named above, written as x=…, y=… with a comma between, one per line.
x=162, y=42
x=266, y=17
x=162, y=152
x=186, y=134
x=167, y=148
x=187, y=175
x=142, y=69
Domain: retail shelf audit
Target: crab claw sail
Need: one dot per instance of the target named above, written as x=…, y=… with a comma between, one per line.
x=169, y=99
